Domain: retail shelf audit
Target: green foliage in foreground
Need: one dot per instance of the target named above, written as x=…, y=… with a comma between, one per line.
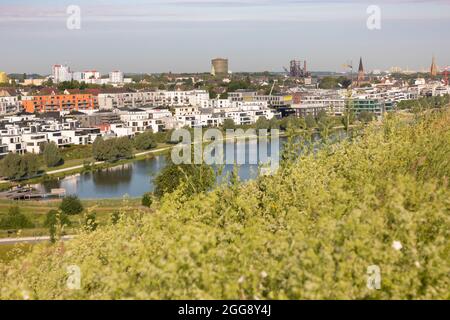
x=147, y=199
x=309, y=232
x=193, y=179
x=424, y=103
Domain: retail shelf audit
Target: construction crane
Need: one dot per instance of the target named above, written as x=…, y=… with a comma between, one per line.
x=349, y=66
x=273, y=86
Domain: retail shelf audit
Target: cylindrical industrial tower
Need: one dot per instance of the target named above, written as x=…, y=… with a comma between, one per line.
x=219, y=66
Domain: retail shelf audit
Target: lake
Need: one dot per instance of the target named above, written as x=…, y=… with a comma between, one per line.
x=136, y=178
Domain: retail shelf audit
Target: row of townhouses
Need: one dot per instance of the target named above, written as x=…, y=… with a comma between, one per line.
x=28, y=121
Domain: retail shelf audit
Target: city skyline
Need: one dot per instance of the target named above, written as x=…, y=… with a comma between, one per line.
x=183, y=36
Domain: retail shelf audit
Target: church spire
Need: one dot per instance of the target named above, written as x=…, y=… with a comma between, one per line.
x=361, y=73
x=434, y=69
x=361, y=67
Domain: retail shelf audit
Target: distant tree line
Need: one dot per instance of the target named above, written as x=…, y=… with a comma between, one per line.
x=424, y=103
x=15, y=166
x=112, y=149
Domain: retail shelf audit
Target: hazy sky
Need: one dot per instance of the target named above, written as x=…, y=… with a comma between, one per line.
x=256, y=35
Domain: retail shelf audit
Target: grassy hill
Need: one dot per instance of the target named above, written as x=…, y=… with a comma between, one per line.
x=309, y=232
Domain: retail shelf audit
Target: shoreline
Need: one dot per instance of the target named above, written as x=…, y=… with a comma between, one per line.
x=139, y=156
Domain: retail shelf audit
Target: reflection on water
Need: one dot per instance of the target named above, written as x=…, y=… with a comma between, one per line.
x=116, y=175
x=136, y=178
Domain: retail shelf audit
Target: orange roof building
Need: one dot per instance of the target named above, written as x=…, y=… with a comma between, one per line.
x=57, y=103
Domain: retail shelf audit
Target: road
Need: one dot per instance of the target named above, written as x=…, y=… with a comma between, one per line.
x=31, y=239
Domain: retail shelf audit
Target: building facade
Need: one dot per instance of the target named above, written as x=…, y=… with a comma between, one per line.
x=60, y=103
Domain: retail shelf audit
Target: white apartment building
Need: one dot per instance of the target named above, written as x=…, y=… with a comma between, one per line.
x=139, y=120
x=158, y=113
x=20, y=118
x=313, y=104
x=13, y=143
x=34, y=141
x=116, y=77
x=61, y=73
x=198, y=98
x=186, y=111
x=120, y=130
x=9, y=104
x=220, y=103
x=82, y=136
x=86, y=76
x=57, y=138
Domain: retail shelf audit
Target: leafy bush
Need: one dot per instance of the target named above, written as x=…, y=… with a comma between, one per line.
x=192, y=178
x=147, y=199
x=366, y=116
x=15, y=220
x=90, y=222
x=311, y=231
x=71, y=205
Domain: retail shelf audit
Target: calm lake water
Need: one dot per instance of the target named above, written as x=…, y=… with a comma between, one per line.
x=136, y=178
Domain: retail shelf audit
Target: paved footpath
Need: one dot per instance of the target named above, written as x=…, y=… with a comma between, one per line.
x=30, y=239
x=101, y=162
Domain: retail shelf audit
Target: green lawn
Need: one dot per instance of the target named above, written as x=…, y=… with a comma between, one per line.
x=36, y=211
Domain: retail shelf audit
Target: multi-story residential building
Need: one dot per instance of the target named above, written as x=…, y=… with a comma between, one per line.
x=275, y=100
x=60, y=103
x=121, y=130
x=313, y=104
x=84, y=76
x=139, y=120
x=158, y=113
x=34, y=141
x=220, y=103
x=186, y=110
x=9, y=102
x=82, y=136
x=375, y=106
x=61, y=73
x=12, y=138
x=252, y=96
x=242, y=95
x=94, y=119
x=116, y=77
x=57, y=138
